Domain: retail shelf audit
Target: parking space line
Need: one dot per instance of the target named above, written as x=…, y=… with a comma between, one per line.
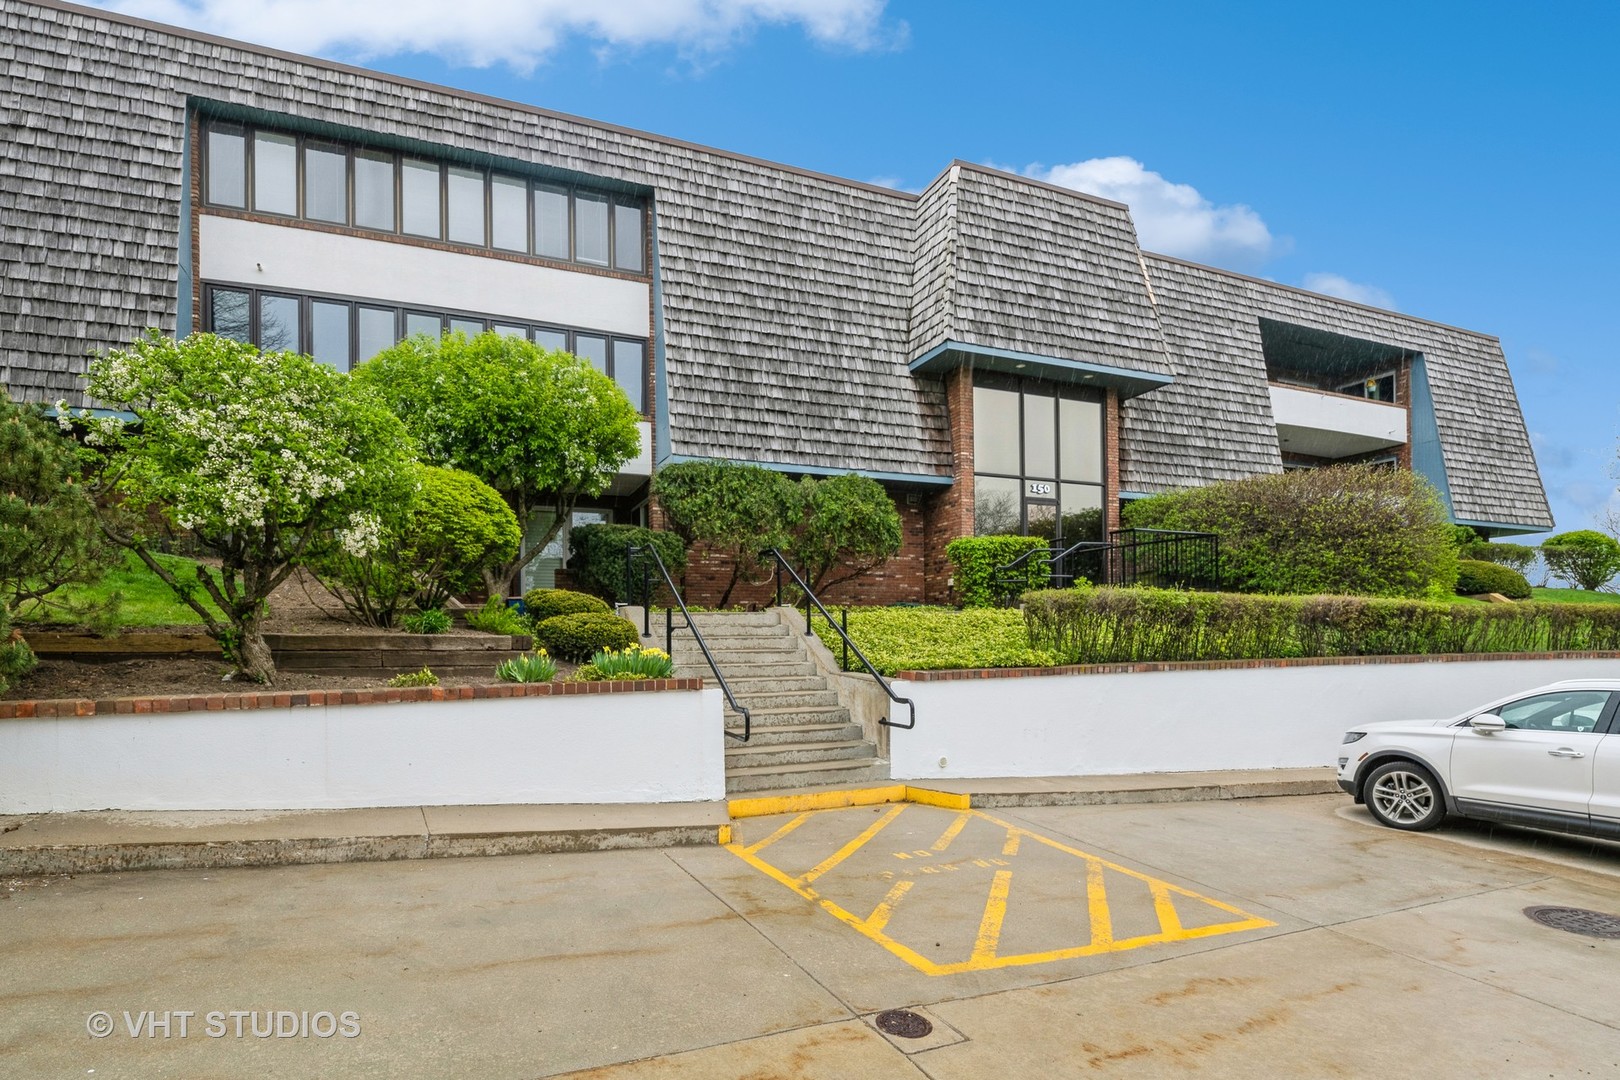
x=951, y=831
x=854, y=845
x=995, y=913
x=881, y=914
x=1102, y=921
x=778, y=834
x=1165, y=908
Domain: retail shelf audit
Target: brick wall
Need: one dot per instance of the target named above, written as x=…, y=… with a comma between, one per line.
x=950, y=512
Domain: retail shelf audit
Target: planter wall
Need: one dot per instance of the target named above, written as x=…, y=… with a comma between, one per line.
x=1180, y=718
x=444, y=748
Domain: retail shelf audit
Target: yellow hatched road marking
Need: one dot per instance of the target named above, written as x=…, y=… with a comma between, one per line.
x=983, y=955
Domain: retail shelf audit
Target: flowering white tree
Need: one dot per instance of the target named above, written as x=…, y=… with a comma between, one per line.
x=260, y=456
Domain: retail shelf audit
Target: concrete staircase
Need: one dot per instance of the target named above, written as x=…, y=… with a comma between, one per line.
x=802, y=736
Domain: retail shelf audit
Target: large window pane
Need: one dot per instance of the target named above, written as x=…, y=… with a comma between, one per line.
x=511, y=330
x=326, y=186
x=556, y=340
x=1080, y=433
x=418, y=323
x=629, y=365
x=997, y=506
x=275, y=173
x=466, y=204
x=227, y=167
x=509, y=213
x=590, y=228
x=995, y=431
x=376, y=330
x=230, y=315
x=374, y=190
x=627, y=246
x=329, y=333
x=551, y=221
x=1082, y=512
x=1040, y=436
x=419, y=197
x=470, y=327
x=592, y=348
x=278, y=323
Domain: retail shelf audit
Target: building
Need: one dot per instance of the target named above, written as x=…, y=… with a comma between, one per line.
x=996, y=350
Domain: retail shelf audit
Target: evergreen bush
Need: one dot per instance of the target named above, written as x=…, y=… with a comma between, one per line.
x=1585, y=558
x=575, y=637
x=597, y=560
x=974, y=560
x=1476, y=577
x=543, y=604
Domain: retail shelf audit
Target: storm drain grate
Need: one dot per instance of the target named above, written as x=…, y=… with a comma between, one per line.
x=1577, y=921
x=904, y=1023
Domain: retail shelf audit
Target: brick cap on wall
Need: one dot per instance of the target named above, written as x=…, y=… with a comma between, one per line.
x=959, y=674
x=281, y=699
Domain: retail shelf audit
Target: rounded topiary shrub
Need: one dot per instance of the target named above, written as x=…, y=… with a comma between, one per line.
x=1476, y=577
x=580, y=635
x=543, y=604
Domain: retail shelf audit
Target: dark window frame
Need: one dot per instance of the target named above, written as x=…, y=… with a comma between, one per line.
x=1056, y=393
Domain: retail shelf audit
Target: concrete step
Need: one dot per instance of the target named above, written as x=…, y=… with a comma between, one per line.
x=784, y=699
x=799, y=714
x=706, y=619
x=806, y=774
x=774, y=670
x=784, y=734
x=776, y=684
x=748, y=755
x=720, y=631
x=738, y=645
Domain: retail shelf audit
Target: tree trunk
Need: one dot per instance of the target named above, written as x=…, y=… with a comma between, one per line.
x=254, y=660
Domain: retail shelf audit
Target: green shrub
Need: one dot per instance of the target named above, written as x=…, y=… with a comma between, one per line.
x=1134, y=625
x=737, y=510
x=929, y=638
x=543, y=604
x=530, y=667
x=577, y=636
x=597, y=560
x=1585, y=558
x=16, y=658
x=632, y=662
x=496, y=618
x=850, y=527
x=415, y=678
x=1476, y=577
x=1519, y=556
x=427, y=621
x=975, y=559
x=1352, y=530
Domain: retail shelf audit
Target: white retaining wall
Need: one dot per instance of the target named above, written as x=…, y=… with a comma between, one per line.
x=1188, y=720
x=664, y=746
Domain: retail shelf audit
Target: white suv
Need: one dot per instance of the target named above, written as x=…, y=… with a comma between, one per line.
x=1548, y=758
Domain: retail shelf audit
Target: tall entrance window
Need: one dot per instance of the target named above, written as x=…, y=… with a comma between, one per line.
x=1038, y=460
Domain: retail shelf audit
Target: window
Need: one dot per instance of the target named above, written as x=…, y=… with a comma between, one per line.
x=1037, y=461
x=378, y=329
x=1377, y=388
x=329, y=333
x=275, y=172
x=231, y=314
x=629, y=363
x=556, y=340
x=470, y=327
x=1571, y=710
x=279, y=327
x=417, y=322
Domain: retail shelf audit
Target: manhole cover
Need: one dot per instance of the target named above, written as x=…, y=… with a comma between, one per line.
x=904, y=1023
x=1577, y=921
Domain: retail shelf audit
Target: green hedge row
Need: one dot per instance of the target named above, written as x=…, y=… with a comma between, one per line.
x=1098, y=626
x=932, y=638
x=975, y=559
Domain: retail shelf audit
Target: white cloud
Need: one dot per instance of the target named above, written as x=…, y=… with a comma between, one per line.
x=1172, y=219
x=519, y=33
x=1345, y=289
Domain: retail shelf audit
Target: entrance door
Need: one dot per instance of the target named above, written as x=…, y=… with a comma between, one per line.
x=1041, y=518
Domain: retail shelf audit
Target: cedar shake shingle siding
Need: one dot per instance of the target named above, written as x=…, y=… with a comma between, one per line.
x=789, y=305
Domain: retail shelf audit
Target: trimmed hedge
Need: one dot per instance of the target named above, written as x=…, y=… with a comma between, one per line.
x=1347, y=529
x=1104, y=626
x=975, y=559
x=1519, y=556
x=597, y=559
x=1476, y=577
x=932, y=638
x=543, y=604
x=577, y=636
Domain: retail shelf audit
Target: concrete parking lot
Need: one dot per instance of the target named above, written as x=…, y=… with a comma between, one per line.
x=1282, y=937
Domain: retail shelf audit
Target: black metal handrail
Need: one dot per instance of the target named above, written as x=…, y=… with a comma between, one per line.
x=631, y=553
x=1121, y=559
x=849, y=644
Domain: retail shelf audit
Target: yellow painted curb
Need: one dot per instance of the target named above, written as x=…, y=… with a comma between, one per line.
x=767, y=805
x=725, y=835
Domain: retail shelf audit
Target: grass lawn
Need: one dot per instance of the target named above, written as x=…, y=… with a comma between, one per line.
x=147, y=601
x=1573, y=596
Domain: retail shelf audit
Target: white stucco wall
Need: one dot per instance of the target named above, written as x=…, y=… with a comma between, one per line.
x=1181, y=721
x=591, y=748
x=308, y=261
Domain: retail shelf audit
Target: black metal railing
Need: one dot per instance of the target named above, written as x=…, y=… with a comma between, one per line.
x=641, y=552
x=1161, y=558
x=812, y=604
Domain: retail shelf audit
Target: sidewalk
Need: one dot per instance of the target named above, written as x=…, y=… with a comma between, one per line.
x=151, y=840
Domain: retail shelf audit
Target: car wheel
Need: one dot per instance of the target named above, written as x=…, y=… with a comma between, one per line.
x=1405, y=795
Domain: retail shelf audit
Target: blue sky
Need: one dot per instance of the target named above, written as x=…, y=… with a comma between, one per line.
x=1457, y=161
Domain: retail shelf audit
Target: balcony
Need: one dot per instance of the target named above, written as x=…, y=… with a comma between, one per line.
x=1320, y=424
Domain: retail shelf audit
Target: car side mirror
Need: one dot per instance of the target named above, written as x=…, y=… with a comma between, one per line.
x=1488, y=724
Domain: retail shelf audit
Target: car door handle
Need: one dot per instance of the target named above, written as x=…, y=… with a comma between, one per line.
x=1565, y=752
